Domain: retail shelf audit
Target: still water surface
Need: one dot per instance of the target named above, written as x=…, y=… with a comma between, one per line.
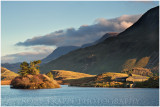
x=80, y=96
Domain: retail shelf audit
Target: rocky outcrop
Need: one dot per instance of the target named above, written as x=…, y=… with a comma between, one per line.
x=39, y=81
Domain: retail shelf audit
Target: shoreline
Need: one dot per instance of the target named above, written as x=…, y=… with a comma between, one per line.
x=97, y=87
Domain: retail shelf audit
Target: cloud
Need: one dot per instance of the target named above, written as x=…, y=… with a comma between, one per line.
x=126, y=24
x=41, y=46
x=33, y=53
x=84, y=34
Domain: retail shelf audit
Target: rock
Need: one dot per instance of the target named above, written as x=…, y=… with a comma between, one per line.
x=39, y=81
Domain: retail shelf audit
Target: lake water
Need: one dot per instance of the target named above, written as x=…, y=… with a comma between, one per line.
x=80, y=96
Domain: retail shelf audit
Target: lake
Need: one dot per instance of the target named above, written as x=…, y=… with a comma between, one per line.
x=80, y=96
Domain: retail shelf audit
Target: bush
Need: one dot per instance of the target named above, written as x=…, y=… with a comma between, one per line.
x=50, y=75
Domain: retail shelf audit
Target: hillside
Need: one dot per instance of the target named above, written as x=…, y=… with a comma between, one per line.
x=7, y=76
x=139, y=71
x=137, y=46
x=107, y=35
x=59, y=52
x=108, y=79
x=61, y=75
x=12, y=66
x=66, y=49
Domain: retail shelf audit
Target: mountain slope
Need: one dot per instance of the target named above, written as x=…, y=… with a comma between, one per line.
x=132, y=48
x=107, y=35
x=59, y=52
x=13, y=67
x=66, y=49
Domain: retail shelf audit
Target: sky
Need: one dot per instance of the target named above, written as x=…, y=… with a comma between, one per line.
x=31, y=30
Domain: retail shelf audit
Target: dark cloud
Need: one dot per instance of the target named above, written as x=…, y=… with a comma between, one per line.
x=84, y=34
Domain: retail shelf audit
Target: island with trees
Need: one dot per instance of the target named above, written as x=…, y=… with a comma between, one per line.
x=30, y=78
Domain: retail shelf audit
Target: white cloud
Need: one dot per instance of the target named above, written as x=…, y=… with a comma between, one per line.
x=33, y=53
x=125, y=24
x=84, y=34
x=41, y=46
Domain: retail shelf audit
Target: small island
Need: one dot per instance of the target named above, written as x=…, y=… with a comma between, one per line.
x=30, y=78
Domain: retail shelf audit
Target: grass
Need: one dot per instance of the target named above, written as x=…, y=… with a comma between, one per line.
x=142, y=62
x=65, y=75
x=7, y=76
x=113, y=75
x=7, y=73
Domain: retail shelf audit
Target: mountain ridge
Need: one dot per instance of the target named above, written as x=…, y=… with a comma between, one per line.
x=132, y=47
x=58, y=52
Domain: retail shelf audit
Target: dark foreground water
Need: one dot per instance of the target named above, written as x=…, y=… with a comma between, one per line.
x=79, y=96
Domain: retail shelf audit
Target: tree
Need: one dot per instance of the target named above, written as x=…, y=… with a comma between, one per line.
x=50, y=75
x=32, y=68
x=24, y=69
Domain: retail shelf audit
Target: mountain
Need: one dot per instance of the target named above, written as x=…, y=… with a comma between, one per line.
x=107, y=35
x=137, y=46
x=59, y=52
x=13, y=67
x=66, y=49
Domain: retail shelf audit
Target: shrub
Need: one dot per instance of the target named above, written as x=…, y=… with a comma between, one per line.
x=50, y=75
